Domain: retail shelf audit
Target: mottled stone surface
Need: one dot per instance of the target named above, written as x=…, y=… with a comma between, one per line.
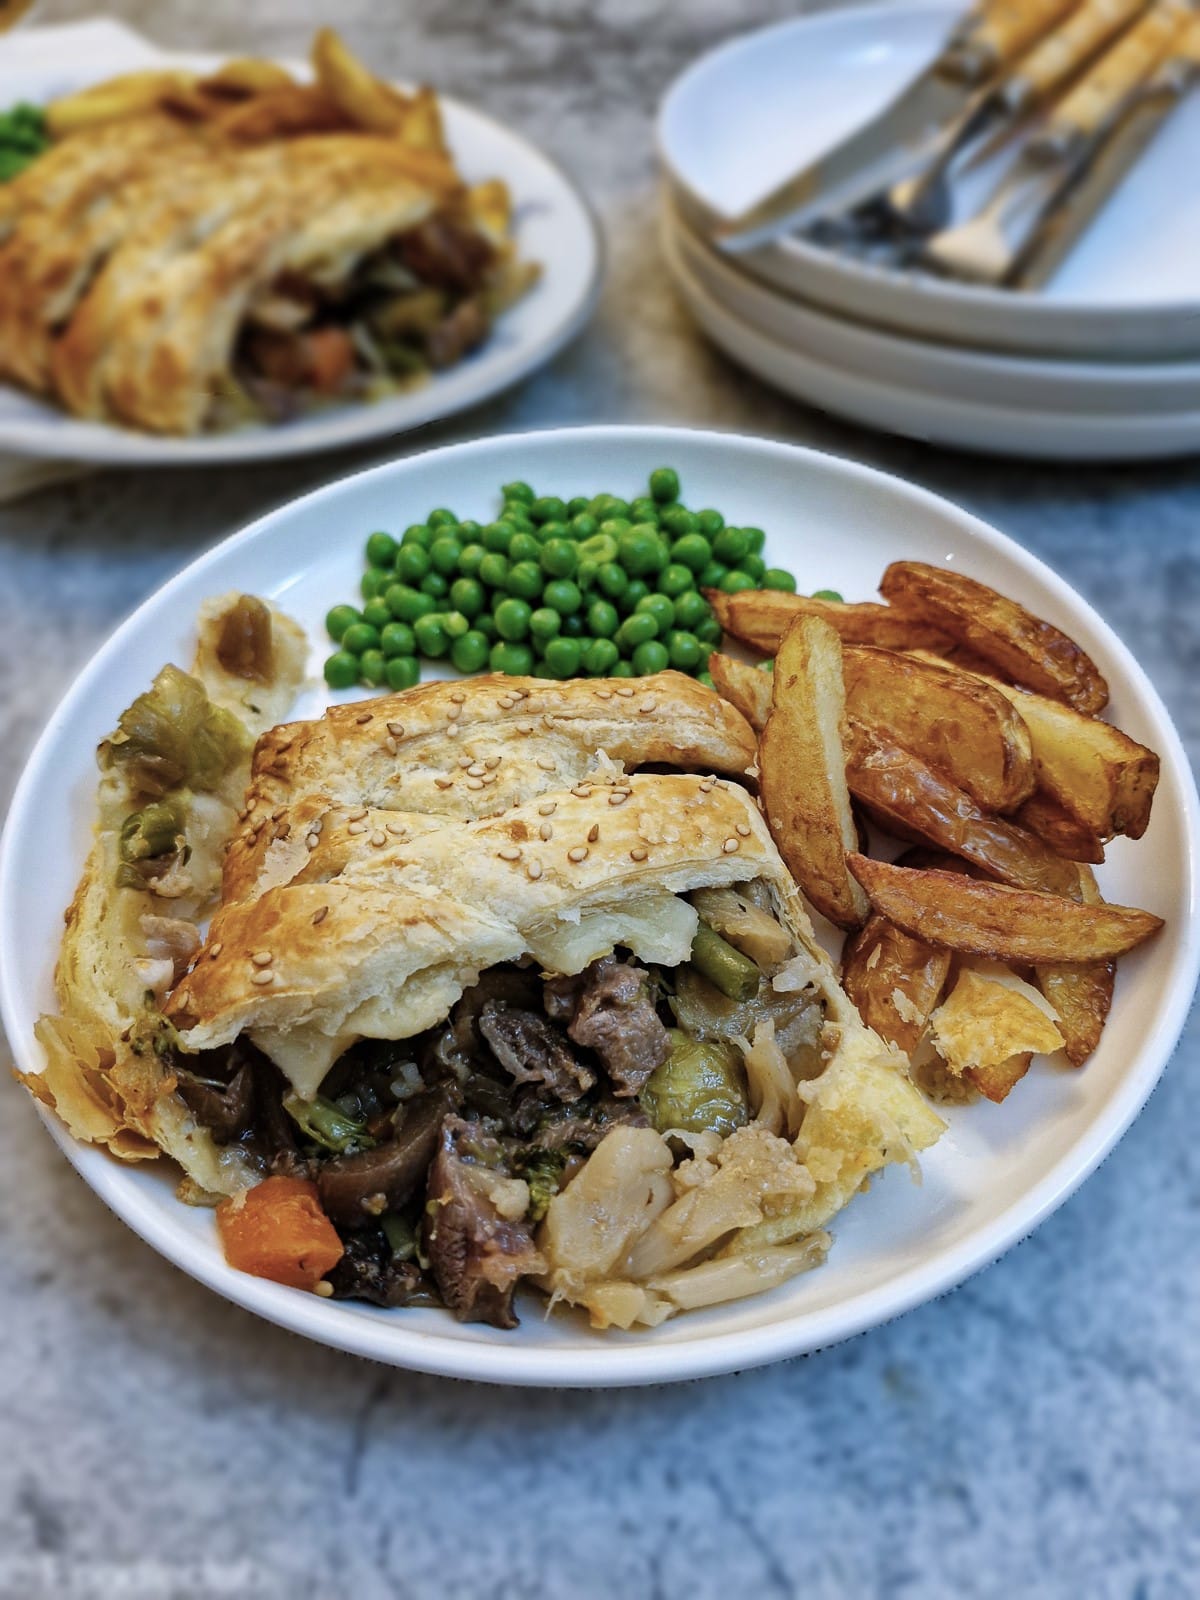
x=1035, y=1433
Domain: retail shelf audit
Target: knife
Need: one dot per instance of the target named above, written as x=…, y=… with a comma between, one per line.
x=894, y=141
x=989, y=247
x=923, y=203
x=1147, y=110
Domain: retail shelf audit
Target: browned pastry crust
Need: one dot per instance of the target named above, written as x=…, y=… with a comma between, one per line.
x=470, y=749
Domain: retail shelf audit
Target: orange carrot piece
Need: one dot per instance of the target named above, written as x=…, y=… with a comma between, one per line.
x=278, y=1230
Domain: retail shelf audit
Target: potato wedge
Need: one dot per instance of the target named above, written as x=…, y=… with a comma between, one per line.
x=746, y=688
x=280, y=114
x=363, y=98
x=761, y=617
x=1055, y=826
x=965, y=728
x=246, y=75
x=910, y=800
x=421, y=125
x=130, y=95
x=989, y=1033
x=1082, y=995
x=802, y=766
x=1025, y=648
x=895, y=980
x=991, y=919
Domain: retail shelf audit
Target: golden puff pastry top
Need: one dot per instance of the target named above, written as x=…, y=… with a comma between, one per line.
x=465, y=749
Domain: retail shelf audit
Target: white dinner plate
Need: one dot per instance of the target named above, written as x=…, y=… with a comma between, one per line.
x=994, y=1175
x=933, y=415
x=788, y=92
x=553, y=226
x=1064, y=386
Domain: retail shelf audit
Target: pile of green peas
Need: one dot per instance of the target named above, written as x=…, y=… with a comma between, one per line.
x=596, y=586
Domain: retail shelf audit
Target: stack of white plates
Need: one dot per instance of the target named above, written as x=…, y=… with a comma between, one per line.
x=1103, y=363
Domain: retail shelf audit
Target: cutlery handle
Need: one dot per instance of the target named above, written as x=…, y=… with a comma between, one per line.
x=1120, y=70
x=1050, y=64
x=1005, y=28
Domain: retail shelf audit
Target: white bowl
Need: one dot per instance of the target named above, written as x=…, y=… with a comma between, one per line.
x=993, y=1177
x=788, y=92
x=553, y=225
x=934, y=414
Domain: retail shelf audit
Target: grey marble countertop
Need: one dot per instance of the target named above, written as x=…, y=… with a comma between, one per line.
x=1035, y=1433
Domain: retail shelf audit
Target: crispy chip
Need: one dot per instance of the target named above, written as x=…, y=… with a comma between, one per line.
x=761, y=617
x=746, y=688
x=987, y=1032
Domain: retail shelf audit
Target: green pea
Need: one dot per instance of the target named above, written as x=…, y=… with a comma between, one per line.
x=638, y=551
x=515, y=659
x=684, y=649
x=523, y=547
x=485, y=623
x=777, y=578
x=546, y=531
x=636, y=629
x=518, y=520
x=664, y=484
x=455, y=624
x=675, y=579
x=615, y=528
x=412, y=563
x=600, y=657
x=435, y=584
x=373, y=581
x=497, y=537
x=339, y=619
x=559, y=558
x=397, y=639
x=548, y=508
x=636, y=590
x=512, y=619
x=518, y=491
x=692, y=551
x=574, y=627
x=755, y=540
x=730, y=545
x=470, y=653
x=381, y=549
x=468, y=532
x=643, y=509
x=754, y=565
x=711, y=523
x=525, y=580
x=563, y=657
x=691, y=609
x=417, y=533
x=612, y=579
x=709, y=632
x=710, y=577
x=441, y=518
x=402, y=672
x=623, y=669
x=376, y=613
x=660, y=608
x=650, y=657
x=563, y=596
x=406, y=604
x=444, y=553
x=603, y=618
x=608, y=505
x=469, y=560
x=341, y=670
x=735, y=581
x=372, y=668
x=468, y=596
x=599, y=549
x=493, y=569
x=583, y=525
x=706, y=679
x=680, y=523
x=360, y=636
x=432, y=638
x=824, y=594
x=544, y=623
